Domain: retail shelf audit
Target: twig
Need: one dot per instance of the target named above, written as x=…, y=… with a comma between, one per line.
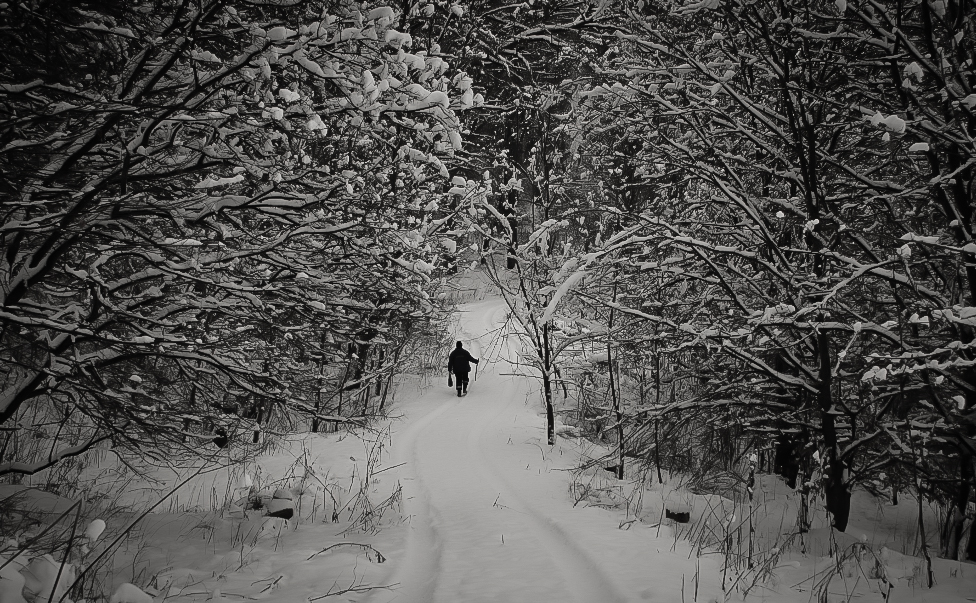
x=388, y=468
x=353, y=589
x=379, y=556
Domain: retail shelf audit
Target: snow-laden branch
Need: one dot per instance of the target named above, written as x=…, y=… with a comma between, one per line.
x=53, y=458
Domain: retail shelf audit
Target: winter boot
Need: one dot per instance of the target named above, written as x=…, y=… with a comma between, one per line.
x=459, y=392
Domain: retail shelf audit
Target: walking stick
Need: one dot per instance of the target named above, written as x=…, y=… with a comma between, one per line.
x=476, y=371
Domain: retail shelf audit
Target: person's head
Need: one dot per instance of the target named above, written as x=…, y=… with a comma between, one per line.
x=459, y=345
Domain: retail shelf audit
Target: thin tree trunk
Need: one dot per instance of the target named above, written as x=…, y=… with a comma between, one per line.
x=381, y=358
x=837, y=495
x=657, y=405
x=389, y=380
x=339, y=405
x=923, y=545
x=619, y=470
x=750, y=488
x=971, y=548
x=321, y=384
x=257, y=421
x=956, y=518
x=547, y=386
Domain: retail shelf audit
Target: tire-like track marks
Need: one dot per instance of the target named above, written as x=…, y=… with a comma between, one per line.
x=416, y=576
x=586, y=582
x=475, y=534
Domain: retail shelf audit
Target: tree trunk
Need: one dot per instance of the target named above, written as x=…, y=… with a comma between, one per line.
x=550, y=413
x=389, y=380
x=971, y=548
x=381, y=358
x=922, y=538
x=836, y=491
x=785, y=461
x=956, y=518
x=618, y=416
x=339, y=405
x=751, y=488
x=615, y=399
x=321, y=384
x=657, y=405
x=547, y=386
x=259, y=416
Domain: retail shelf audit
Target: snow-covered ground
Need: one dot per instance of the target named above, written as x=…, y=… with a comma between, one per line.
x=461, y=500
x=490, y=512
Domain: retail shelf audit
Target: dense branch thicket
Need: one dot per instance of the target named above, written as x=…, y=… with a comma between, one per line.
x=762, y=212
x=724, y=227
x=210, y=210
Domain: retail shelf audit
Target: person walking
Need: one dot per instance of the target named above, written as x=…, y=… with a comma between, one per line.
x=458, y=364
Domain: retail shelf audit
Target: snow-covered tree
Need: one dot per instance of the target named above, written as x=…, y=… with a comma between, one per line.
x=815, y=159
x=203, y=204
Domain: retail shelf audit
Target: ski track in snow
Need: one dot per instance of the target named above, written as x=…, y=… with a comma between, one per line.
x=417, y=575
x=473, y=535
x=584, y=580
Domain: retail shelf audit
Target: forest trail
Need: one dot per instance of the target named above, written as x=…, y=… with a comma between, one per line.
x=482, y=490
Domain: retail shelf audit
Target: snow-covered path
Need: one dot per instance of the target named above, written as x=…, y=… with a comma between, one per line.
x=489, y=512
x=488, y=515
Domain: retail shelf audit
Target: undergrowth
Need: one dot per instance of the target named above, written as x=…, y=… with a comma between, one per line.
x=43, y=526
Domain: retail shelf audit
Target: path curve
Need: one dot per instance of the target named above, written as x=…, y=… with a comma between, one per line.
x=479, y=493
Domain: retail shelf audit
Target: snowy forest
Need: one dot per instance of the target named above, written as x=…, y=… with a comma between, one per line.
x=736, y=238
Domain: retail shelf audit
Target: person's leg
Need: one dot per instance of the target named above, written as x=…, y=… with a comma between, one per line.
x=462, y=382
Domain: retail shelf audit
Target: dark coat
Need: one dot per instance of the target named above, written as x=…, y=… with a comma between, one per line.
x=458, y=363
